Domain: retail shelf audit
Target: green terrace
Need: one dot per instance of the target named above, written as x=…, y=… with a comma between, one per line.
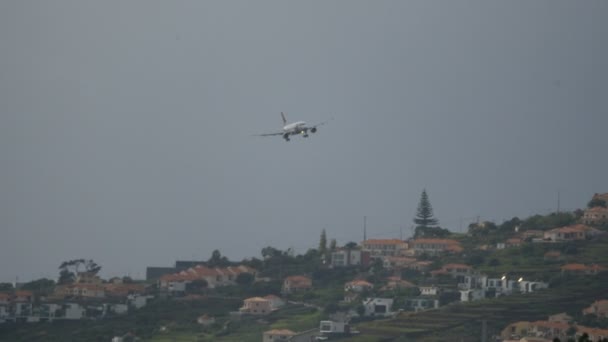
x=462, y=321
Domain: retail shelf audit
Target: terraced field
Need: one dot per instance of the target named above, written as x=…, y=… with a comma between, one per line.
x=462, y=321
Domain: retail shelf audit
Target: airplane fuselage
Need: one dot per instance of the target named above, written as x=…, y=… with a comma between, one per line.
x=295, y=128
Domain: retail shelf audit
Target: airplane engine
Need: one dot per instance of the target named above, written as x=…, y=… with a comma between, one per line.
x=286, y=136
x=313, y=130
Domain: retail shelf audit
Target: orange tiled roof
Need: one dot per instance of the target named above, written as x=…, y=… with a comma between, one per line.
x=574, y=267
x=436, y=241
x=23, y=293
x=577, y=228
x=256, y=299
x=552, y=325
x=359, y=283
x=384, y=241
x=123, y=289
x=581, y=267
x=591, y=331
x=298, y=279
x=202, y=271
x=597, y=209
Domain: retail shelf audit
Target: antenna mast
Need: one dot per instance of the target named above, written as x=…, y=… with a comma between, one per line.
x=364, y=228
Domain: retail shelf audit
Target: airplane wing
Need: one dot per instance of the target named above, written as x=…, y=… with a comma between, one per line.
x=269, y=134
x=321, y=123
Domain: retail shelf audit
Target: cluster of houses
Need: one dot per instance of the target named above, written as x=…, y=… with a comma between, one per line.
x=597, y=215
x=401, y=255
x=88, y=297
x=212, y=277
x=560, y=326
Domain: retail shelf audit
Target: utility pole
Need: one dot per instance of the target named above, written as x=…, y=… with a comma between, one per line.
x=558, y=201
x=364, y=228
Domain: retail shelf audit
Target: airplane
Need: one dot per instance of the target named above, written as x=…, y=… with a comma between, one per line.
x=295, y=128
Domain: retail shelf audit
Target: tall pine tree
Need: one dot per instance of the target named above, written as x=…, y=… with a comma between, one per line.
x=424, y=215
x=323, y=243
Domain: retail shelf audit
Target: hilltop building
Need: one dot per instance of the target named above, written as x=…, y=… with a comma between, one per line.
x=345, y=257
x=384, y=247
x=599, y=308
x=214, y=277
x=256, y=306
x=296, y=283
x=435, y=246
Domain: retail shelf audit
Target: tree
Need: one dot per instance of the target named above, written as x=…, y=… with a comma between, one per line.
x=351, y=245
x=41, y=286
x=494, y=262
x=245, y=279
x=596, y=202
x=323, y=243
x=66, y=277
x=271, y=252
x=217, y=260
x=361, y=310
x=6, y=287
x=70, y=269
x=331, y=307
x=424, y=215
x=197, y=286
x=584, y=338
x=332, y=245
x=91, y=267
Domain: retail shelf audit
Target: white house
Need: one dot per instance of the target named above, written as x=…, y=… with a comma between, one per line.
x=531, y=286
x=119, y=309
x=138, y=301
x=23, y=309
x=3, y=312
x=206, y=320
x=422, y=303
x=349, y=257
x=74, y=311
x=332, y=327
x=378, y=306
x=275, y=301
x=49, y=311
x=472, y=295
x=277, y=335
x=429, y=290
x=358, y=286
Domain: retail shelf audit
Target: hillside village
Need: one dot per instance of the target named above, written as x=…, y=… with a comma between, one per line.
x=367, y=291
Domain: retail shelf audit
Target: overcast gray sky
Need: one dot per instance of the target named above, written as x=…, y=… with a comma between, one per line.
x=126, y=126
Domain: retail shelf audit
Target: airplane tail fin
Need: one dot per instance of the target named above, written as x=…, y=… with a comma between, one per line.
x=284, y=120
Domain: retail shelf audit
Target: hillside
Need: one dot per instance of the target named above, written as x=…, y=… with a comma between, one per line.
x=462, y=321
